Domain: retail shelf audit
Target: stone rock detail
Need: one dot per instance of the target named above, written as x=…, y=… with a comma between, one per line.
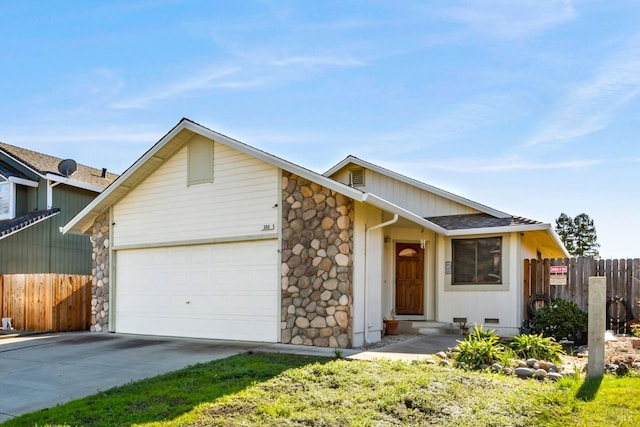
x=100, y=273
x=317, y=265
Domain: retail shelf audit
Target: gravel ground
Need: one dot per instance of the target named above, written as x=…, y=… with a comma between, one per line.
x=387, y=340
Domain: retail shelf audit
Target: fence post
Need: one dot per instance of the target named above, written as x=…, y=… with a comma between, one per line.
x=597, y=314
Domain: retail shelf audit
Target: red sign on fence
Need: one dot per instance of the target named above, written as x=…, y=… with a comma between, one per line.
x=558, y=275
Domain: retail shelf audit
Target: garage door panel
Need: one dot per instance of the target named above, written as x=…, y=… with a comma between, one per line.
x=222, y=291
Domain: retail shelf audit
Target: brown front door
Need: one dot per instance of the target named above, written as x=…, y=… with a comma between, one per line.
x=409, y=278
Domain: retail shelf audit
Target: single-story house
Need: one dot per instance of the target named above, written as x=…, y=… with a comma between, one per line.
x=205, y=236
x=39, y=193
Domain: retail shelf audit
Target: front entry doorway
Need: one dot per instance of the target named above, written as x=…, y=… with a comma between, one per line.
x=409, y=279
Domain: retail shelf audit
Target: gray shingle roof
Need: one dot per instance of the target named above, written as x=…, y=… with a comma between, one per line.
x=24, y=221
x=44, y=163
x=481, y=220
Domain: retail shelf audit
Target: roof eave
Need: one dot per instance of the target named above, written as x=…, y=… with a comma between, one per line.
x=73, y=183
x=383, y=204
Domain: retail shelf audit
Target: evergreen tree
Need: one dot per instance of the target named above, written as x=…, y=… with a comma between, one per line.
x=578, y=235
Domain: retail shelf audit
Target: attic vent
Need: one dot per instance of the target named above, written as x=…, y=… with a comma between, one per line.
x=356, y=178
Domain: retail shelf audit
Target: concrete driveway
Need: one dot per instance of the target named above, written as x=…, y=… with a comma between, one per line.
x=39, y=372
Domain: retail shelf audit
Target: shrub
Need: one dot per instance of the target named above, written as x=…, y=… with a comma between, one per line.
x=479, y=348
x=635, y=330
x=535, y=346
x=560, y=319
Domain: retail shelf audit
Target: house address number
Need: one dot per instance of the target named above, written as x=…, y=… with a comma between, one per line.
x=268, y=227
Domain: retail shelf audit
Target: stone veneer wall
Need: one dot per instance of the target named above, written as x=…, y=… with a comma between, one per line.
x=317, y=264
x=100, y=273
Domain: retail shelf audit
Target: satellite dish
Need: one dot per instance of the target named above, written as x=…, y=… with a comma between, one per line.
x=67, y=167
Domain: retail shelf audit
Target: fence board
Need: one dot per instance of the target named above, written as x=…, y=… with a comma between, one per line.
x=43, y=302
x=622, y=278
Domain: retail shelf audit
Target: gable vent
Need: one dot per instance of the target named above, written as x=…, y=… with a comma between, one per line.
x=356, y=178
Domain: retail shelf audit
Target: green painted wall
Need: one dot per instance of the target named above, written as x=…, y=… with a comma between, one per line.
x=42, y=248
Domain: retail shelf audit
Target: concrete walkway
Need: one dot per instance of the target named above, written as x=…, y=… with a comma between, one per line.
x=418, y=348
x=41, y=371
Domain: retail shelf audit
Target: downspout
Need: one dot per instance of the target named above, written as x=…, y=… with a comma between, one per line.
x=50, y=186
x=366, y=270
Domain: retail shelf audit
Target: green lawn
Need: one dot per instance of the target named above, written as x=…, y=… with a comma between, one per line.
x=292, y=390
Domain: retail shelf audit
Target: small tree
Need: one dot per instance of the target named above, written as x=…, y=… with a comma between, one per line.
x=578, y=235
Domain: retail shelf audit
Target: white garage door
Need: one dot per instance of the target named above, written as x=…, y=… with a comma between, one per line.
x=222, y=291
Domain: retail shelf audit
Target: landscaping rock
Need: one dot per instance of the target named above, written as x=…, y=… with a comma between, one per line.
x=531, y=362
x=524, y=372
x=442, y=355
x=496, y=367
x=540, y=374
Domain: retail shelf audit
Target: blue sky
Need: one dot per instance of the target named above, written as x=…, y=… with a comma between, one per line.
x=531, y=107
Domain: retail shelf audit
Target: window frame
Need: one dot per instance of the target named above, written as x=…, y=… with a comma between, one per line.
x=12, y=201
x=497, y=269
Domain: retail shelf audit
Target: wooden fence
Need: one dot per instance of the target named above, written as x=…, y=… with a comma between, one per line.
x=46, y=302
x=548, y=278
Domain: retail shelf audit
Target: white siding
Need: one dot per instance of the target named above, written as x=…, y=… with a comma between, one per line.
x=367, y=273
x=239, y=202
x=414, y=199
x=477, y=302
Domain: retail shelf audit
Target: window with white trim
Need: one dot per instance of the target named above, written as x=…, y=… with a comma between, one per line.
x=477, y=261
x=6, y=200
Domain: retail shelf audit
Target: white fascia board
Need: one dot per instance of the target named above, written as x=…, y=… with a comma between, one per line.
x=22, y=181
x=512, y=229
x=498, y=230
x=383, y=204
x=73, y=182
x=278, y=162
x=410, y=181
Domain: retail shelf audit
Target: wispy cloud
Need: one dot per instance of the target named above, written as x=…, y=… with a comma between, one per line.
x=451, y=123
x=513, y=19
x=108, y=134
x=241, y=74
x=214, y=77
x=591, y=106
x=497, y=164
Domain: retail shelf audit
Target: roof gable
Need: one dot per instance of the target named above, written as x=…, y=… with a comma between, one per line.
x=470, y=204
x=165, y=148
x=44, y=164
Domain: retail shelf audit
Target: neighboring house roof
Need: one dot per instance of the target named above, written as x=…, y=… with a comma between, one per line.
x=9, y=172
x=44, y=164
x=413, y=182
x=12, y=226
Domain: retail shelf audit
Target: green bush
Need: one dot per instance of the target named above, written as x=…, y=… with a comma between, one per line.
x=479, y=348
x=561, y=319
x=536, y=347
x=635, y=330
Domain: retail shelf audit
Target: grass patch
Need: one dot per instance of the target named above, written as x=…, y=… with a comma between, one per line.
x=277, y=390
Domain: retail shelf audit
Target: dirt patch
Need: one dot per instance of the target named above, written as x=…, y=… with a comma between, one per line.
x=617, y=350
